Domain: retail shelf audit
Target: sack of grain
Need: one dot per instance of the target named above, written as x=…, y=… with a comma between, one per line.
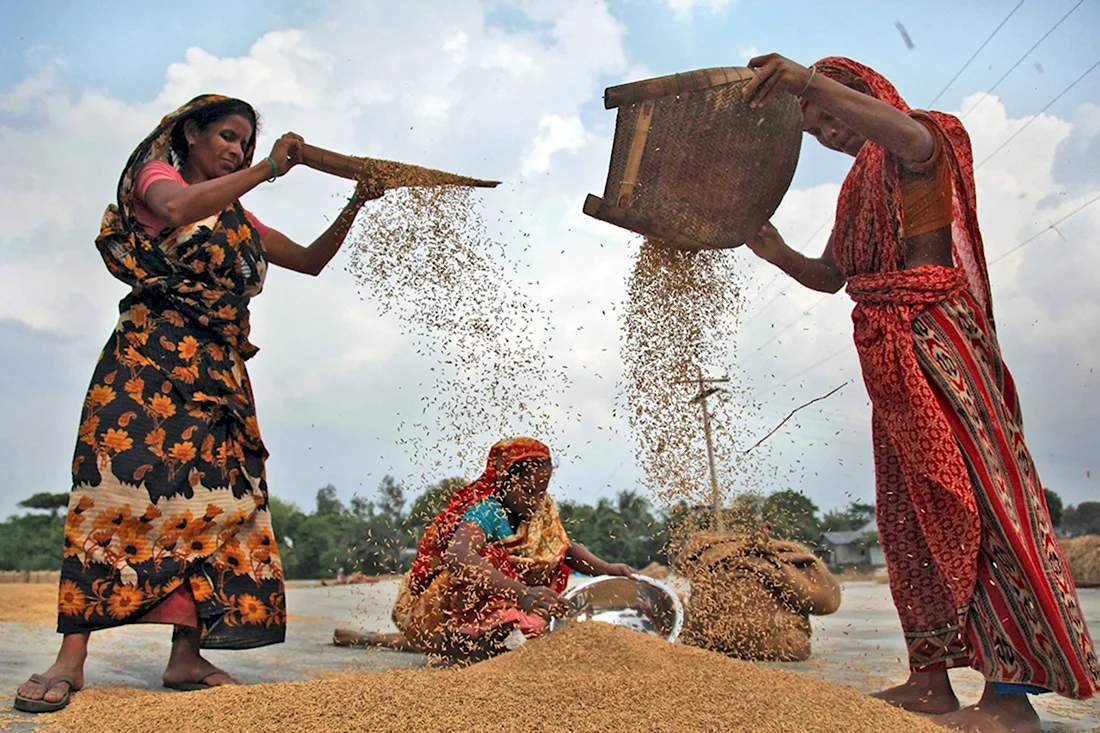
x=751, y=596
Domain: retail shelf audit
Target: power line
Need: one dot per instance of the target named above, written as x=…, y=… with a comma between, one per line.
x=1021, y=59
x=1041, y=232
x=971, y=59
x=1036, y=115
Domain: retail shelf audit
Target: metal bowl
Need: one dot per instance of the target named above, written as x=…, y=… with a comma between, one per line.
x=639, y=603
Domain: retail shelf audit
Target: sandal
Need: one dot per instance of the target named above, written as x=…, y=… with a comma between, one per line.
x=27, y=705
x=198, y=684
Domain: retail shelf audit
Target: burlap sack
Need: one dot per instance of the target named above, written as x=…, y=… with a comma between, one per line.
x=751, y=596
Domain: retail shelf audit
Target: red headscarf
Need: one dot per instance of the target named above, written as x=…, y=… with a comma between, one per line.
x=868, y=228
x=502, y=456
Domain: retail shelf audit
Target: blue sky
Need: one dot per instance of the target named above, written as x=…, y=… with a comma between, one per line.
x=60, y=155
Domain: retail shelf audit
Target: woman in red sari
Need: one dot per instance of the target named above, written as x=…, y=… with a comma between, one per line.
x=493, y=561
x=976, y=571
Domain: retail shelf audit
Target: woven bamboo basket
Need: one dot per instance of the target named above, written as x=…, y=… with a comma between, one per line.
x=388, y=174
x=692, y=164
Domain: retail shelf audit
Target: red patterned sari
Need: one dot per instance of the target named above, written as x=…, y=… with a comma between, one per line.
x=434, y=610
x=976, y=571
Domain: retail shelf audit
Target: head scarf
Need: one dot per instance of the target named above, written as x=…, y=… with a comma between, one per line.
x=211, y=296
x=868, y=228
x=502, y=456
x=158, y=146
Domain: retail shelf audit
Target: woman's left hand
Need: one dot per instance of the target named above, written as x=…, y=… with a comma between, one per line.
x=620, y=569
x=772, y=72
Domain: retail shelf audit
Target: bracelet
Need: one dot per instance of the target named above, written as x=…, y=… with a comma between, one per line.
x=813, y=73
x=274, y=169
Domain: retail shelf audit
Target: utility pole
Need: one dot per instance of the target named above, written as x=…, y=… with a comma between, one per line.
x=701, y=397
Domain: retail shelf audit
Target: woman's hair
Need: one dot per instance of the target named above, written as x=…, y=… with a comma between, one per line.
x=206, y=116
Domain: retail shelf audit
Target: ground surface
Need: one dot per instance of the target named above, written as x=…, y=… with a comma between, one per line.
x=859, y=646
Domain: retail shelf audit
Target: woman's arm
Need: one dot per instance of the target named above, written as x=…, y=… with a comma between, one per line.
x=877, y=121
x=178, y=205
x=284, y=252
x=463, y=559
x=581, y=559
x=819, y=274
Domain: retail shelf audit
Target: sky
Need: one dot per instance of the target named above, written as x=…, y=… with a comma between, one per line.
x=512, y=90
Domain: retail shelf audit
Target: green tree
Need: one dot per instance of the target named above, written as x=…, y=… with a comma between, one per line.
x=327, y=503
x=791, y=515
x=1083, y=518
x=53, y=503
x=855, y=516
x=1054, y=506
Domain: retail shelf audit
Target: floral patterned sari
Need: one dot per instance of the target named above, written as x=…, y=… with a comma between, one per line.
x=168, y=519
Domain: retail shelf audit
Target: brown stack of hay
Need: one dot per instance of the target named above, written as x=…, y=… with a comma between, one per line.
x=751, y=596
x=1083, y=556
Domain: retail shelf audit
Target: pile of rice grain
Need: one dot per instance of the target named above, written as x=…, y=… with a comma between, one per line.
x=587, y=677
x=28, y=603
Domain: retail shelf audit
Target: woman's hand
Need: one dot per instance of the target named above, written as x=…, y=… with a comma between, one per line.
x=543, y=602
x=620, y=569
x=287, y=152
x=768, y=244
x=772, y=72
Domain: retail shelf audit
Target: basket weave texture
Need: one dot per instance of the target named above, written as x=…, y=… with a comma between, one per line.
x=713, y=170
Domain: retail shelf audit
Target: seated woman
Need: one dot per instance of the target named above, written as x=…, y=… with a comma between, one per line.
x=494, y=560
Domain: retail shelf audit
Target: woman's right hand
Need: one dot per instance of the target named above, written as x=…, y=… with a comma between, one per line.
x=543, y=602
x=287, y=152
x=768, y=244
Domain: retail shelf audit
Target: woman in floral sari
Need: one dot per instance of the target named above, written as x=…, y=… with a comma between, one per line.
x=976, y=571
x=168, y=520
x=493, y=561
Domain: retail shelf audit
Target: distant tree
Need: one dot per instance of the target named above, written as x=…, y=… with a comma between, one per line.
x=327, y=503
x=53, y=503
x=1083, y=518
x=855, y=516
x=791, y=515
x=1054, y=506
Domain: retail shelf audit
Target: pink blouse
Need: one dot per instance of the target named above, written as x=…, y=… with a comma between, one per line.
x=158, y=170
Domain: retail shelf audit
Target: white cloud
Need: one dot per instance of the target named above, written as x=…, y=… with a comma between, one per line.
x=685, y=9
x=556, y=133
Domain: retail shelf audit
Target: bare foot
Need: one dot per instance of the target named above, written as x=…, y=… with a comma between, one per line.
x=70, y=662
x=186, y=665
x=994, y=714
x=924, y=692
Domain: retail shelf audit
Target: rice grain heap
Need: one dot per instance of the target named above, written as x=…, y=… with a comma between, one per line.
x=424, y=255
x=634, y=682
x=28, y=603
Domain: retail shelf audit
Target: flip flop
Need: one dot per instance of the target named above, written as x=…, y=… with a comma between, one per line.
x=27, y=705
x=196, y=685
